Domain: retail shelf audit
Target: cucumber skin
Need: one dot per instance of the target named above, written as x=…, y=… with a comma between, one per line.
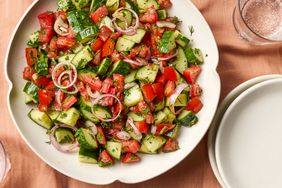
x=168, y=42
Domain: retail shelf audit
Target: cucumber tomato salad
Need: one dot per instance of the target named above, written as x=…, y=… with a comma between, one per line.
x=110, y=79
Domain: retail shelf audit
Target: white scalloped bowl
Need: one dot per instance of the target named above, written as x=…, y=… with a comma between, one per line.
x=151, y=165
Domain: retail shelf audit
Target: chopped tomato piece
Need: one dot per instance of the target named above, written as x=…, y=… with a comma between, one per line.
x=97, y=58
x=159, y=90
x=45, y=99
x=46, y=20
x=68, y=102
x=116, y=56
x=53, y=49
x=82, y=90
x=169, y=88
x=31, y=56
x=105, y=159
x=164, y=128
x=192, y=73
x=141, y=51
x=118, y=82
x=118, y=107
x=142, y=106
x=62, y=14
x=42, y=81
x=27, y=73
x=97, y=45
x=160, y=78
x=171, y=145
x=101, y=136
x=194, y=105
x=65, y=42
x=151, y=16
x=94, y=83
x=99, y=14
x=165, y=3
x=143, y=127
x=107, y=83
x=149, y=118
x=148, y=92
x=45, y=35
x=130, y=158
x=131, y=146
x=108, y=48
x=195, y=90
x=105, y=33
x=170, y=74
x=115, y=36
x=50, y=86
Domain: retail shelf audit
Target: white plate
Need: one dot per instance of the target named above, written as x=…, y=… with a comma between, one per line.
x=248, y=143
x=151, y=165
x=220, y=112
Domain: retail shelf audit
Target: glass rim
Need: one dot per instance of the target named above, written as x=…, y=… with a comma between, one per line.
x=267, y=40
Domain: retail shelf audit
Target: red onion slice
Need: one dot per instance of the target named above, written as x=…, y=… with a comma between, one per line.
x=92, y=126
x=164, y=58
x=58, y=98
x=96, y=102
x=129, y=30
x=66, y=148
x=153, y=129
x=123, y=135
x=132, y=62
x=174, y=96
x=166, y=24
x=72, y=79
x=135, y=130
x=91, y=94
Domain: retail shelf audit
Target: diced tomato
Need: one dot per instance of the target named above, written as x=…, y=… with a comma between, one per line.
x=169, y=88
x=170, y=74
x=148, y=92
x=159, y=90
x=118, y=125
x=131, y=146
x=141, y=51
x=97, y=45
x=71, y=33
x=50, y=86
x=116, y=56
x=195, y=90
x=195, y=105
x=160, y=78
x=62, y=14
x=45, y=35
x=149, y=118
x=97, y=58
x=42, y=107
x=118, y=82
x=27, y=73
x=107, y=83
x=105, y=33
x=115, y=35
x=171, y=145
x=142, y=106
x=45, y=99
x=53, y=49
x=107, y=101
x=164, y=128
x=165, y=3
x=99, y=14
x=31, y=56
x=151, y=16
x=159, y=32
x=101, y=136
x=130, y=158
x=82, y=90
x=143, y=127
x=42, y=81
x=46, y=20
x=105, y=159
x=192, y=73
x=118, y=107
x=65, y=42
x=68, y=102
x=94, y=84
x=108, y=48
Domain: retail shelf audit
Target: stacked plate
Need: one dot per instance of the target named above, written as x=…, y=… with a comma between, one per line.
x=245, y=138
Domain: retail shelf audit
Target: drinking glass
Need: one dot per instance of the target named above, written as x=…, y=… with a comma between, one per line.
x=5, y=164
x=259, y=21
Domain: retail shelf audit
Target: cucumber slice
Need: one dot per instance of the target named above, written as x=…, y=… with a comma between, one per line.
x=114, y=149
x=153, y=143
x=137, y=38
x=181, y=100
x=147, y=74
x=168, y=42
x=106, y=21
x=112, y=5
x=181, y=39
x=88, y=156
x=170, y=115
x=159, y=106
x=79, y=4
x=31, y=90
x=187, y=118
x=133, y=96
x=27, y=99
x=130, y=77
x=160, y=117
x=74, y=21
x=132, y=5
x=144, y=149
x=85, y=109
x=162, y=15
x=69, y=117
x=81, y=59
x=174, y=132
x=145, y=4
x=64, y=5
x=124, y=45
x=64, y=135
x=194, y=56
x=126, y=15
x=86, y=139
x=136, y=117
x=53, y=114
x=102, y=112
x=104, y=66
x=66, y=58
x=181, y=63
x=87, y=34
x=96, y=4
x=40, y=118
x=120, y=67
x=86, y=73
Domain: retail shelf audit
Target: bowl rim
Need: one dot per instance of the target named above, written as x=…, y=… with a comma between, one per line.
x=10, y=87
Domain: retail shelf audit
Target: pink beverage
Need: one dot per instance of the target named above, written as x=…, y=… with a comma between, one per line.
x=4, y=163
x=264, y=17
